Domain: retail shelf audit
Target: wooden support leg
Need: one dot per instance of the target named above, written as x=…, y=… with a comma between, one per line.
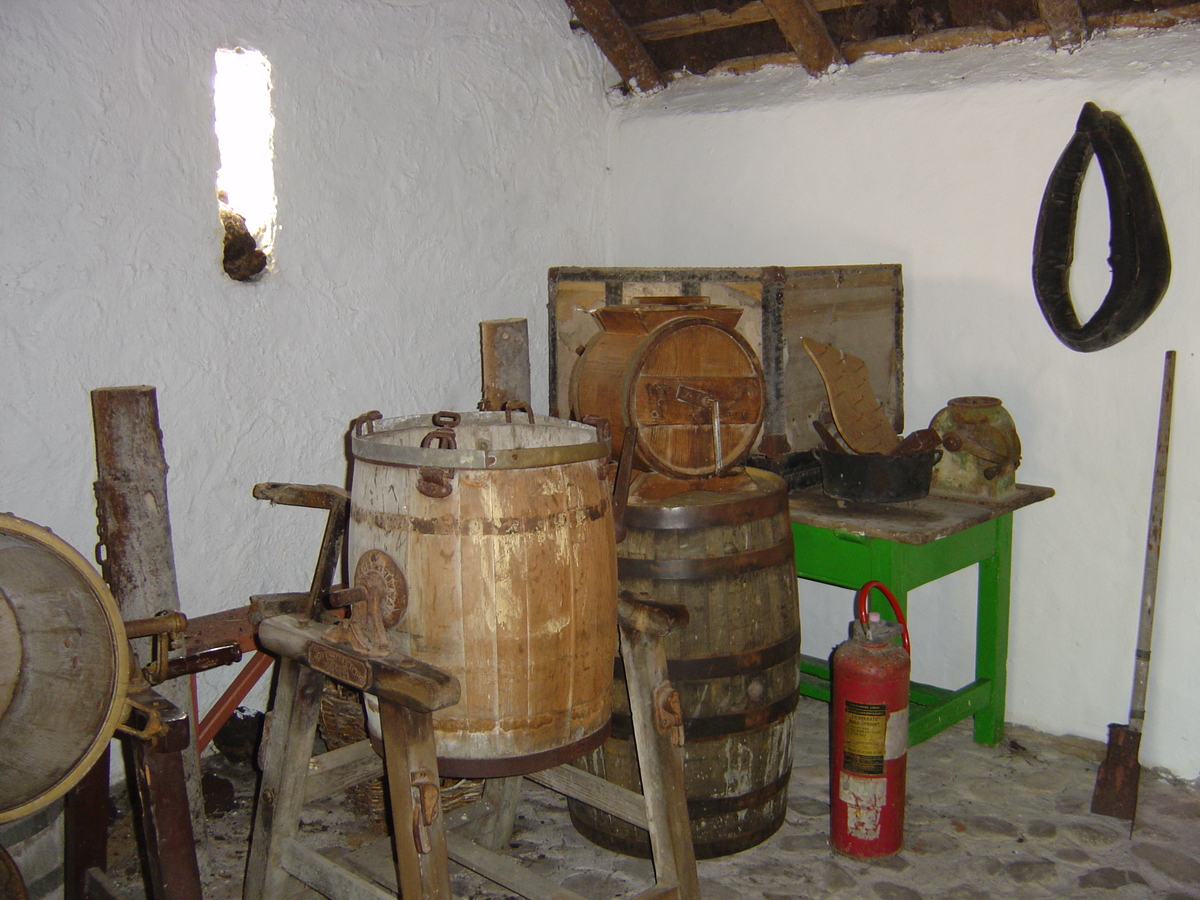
x=489, y=820
x=165, y=823
x=86, y=823
x=658, y=733
x=991, y=632
x=286, y=752
x=418, y=826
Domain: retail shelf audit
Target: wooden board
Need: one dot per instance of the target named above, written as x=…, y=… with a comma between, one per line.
x=859, y=417
x=858, y=309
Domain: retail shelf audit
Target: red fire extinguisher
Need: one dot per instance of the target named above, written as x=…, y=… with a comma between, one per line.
x=869, y=733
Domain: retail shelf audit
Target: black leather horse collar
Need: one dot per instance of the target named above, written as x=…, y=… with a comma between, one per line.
x=1139, y=255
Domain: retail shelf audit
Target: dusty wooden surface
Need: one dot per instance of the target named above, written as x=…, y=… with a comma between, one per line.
x=915, y=522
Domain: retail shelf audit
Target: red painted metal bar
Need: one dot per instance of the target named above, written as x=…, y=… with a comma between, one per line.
x=232, y=698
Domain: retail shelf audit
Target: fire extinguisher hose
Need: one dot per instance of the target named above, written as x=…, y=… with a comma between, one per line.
x=861, y=601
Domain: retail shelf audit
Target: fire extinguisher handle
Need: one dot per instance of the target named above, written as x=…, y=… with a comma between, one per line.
x=863, y=606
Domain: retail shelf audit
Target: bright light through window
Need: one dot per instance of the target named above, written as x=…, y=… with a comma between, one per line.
x=246, y=179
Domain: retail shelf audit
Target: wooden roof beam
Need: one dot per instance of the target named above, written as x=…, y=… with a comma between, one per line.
x=707, y=20
x=1064, y=19
x=618, y=42
x=805, y=31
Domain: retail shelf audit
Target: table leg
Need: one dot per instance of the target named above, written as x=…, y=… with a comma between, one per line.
x=991, y=632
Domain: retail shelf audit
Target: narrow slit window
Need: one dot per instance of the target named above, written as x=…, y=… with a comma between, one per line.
x=246, y=178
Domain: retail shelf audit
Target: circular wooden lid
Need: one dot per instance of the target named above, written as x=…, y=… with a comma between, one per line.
x=695, y=390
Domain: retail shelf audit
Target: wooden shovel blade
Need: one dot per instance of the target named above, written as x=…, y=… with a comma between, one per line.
x=1117, y=778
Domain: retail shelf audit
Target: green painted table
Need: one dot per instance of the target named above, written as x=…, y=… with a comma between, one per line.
x=906, y=545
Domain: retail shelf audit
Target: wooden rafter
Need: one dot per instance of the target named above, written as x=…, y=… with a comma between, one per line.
x=618, y=42
x=1065, y=20
x=714, y=19
x=805, y=31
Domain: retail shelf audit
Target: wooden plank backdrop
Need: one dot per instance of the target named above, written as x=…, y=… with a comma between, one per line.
x=858, y=309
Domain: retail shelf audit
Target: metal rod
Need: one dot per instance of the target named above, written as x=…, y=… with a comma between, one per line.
x=1141, y=668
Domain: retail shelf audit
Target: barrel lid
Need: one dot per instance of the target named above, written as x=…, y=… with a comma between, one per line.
x=706, y=509
x=481, y=440
x=696, y=392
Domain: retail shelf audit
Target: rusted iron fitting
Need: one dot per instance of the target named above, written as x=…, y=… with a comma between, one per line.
x=167, y=629
x=426, y=807
x=668, y=713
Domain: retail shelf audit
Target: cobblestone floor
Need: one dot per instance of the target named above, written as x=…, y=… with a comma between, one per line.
x=981, y=822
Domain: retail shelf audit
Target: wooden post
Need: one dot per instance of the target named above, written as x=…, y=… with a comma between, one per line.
x=135, y=531
x=658, y=733
x=86, y=830
x=504, y=352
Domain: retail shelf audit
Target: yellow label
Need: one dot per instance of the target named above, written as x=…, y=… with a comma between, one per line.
x=865, y=738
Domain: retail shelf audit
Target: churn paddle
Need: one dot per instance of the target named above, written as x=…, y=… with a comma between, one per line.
x=1117, y=779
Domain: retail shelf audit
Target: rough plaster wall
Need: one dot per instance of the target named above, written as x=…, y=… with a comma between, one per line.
x=939, y=163
x=433, y=159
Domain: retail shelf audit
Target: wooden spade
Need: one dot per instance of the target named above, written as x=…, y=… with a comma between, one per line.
x=858, y=416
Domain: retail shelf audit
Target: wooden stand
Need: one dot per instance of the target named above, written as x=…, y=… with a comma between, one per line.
x=409, y=693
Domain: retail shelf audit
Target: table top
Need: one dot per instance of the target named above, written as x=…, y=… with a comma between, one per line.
x=915, y=522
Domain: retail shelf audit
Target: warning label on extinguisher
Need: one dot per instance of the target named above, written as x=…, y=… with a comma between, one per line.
x=865, y=738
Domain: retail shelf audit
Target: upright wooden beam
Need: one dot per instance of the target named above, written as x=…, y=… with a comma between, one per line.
x=618, y=42
x=504, y=353
x=805, y=30
x=135, y=531
x=1064, y=18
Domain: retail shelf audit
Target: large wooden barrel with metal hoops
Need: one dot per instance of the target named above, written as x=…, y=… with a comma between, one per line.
x=64, y=667
x=680, y=374
x=501, y=527
x=729, y=559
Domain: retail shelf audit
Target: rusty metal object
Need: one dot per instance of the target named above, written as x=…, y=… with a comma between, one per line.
x=918, y=442
x=426, y=808
x=982, y=447
x=668, y=713
x=1117, y=778
x=379, y=597
x=209, y=658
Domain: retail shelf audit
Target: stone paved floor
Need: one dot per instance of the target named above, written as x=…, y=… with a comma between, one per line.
x=982, y=822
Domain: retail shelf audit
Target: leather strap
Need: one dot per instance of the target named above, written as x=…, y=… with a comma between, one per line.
x=1140, y=256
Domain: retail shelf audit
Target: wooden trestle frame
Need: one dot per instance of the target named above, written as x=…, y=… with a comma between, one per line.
x=409, y=692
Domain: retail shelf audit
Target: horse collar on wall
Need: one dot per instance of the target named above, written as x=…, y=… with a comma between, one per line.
x=1140, y=257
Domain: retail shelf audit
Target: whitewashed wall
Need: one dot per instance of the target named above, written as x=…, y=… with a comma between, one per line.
x=432, y=161
x=939, y=163
x=434, y=158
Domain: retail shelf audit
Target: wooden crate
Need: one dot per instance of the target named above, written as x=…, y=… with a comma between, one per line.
x=858, y=309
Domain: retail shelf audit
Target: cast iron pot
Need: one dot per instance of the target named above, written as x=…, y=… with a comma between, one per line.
x=870, y=478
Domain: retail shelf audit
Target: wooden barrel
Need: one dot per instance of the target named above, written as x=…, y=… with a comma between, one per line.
x=692, y=386
x=729, y=559
x=64, y=667
x=503, y=531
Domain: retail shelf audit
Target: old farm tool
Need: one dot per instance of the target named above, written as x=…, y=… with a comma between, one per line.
x=1116, y=789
